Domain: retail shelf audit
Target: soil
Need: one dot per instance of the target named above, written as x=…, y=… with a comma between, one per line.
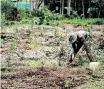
x=46, y=78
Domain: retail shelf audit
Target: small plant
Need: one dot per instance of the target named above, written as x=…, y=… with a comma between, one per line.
x=33, y=44
x=67, y=83
x=89, y=28
x=57, y=32
x=42, y=29
x=25, y=21
x=36, y=20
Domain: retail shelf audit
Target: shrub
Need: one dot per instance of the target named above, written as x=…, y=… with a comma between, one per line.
x=24, y=21
x=46, y=16
x=7, y=7
x=25, y=13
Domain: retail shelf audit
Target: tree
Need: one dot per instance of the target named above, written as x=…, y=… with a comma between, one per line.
x=36, y=4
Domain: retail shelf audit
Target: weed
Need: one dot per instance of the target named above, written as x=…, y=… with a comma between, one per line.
x=67, y=83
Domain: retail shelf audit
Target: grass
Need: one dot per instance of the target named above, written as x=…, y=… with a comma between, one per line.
x=83, y=21
x=93, y=85
x=43, y=62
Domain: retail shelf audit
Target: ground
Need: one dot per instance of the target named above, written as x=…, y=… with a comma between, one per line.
x=49, y=78
x=28, y=62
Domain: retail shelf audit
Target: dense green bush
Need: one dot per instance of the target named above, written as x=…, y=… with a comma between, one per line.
x=46, y=16
x=8, y=13
x=25, y=13
x=5, y=22
x=7, y=7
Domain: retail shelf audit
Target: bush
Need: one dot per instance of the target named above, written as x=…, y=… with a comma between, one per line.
x=39, y=16
x=25, y=13
x=46, y=16
x=7, y=8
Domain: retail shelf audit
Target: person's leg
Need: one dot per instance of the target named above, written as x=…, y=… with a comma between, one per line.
x=87, y=49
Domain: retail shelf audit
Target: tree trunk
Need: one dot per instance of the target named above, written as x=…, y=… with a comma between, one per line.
x=69, y=8
x=90, y=7
x=75, y=6
x=83, y=8
x=62, y=7
x=36, y=3
x=99, y=10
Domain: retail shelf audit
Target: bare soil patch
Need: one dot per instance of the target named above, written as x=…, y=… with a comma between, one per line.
x=46, y=78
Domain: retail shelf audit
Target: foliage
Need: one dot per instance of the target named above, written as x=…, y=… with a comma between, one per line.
x=8, y=13
x=25, y=13
x=33, y=44
x=36, y=20
x=67, y=83
x=46, y=16
x=7, y=8
x=25, y=21
x=40, y=16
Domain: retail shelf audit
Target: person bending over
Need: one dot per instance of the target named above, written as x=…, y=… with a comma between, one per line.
x=77, y=40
